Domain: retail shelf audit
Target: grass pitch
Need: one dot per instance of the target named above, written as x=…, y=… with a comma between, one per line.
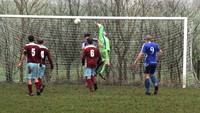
x=63, y=98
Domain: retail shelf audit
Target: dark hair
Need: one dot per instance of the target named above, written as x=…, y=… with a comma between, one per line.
x=87, y=35
x=90, y=40
x=31, y=38
x=40, y=41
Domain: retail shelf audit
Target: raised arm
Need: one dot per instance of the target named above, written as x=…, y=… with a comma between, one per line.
x=101, y=35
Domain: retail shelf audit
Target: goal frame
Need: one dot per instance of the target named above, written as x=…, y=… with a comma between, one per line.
x=185, y=19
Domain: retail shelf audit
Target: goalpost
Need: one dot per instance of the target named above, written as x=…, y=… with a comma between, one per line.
x=115, y=21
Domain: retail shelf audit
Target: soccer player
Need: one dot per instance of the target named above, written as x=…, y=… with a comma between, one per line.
x=149, y=50
x=31, y=53
x=85, y=43
x=44, y=55
x=104, y=46
x=91, y=55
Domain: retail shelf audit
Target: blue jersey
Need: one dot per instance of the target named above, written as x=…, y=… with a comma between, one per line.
x=85, y=43
x=150, y=50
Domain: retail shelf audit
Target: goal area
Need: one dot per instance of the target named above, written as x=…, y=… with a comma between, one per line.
x=63, y=38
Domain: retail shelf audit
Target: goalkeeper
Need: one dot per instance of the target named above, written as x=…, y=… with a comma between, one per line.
x=104, y=47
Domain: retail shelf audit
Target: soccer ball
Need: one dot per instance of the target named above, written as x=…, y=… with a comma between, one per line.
x=77, y=21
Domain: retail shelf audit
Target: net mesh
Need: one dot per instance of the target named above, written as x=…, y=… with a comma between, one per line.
x=63, y=38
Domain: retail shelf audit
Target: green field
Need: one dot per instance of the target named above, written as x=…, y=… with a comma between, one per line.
x=63, y=98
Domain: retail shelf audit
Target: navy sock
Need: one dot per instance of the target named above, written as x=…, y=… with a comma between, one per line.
x=154, y=80
x=147, y=84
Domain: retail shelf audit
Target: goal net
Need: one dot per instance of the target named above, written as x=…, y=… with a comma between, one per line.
x=63, y=38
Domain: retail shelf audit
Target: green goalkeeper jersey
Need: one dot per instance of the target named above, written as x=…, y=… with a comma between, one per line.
x=107, y=43
x=103, y=40
x=104, y=46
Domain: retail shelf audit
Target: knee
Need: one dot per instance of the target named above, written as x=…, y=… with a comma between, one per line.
x=147, y=76
x=30, y=82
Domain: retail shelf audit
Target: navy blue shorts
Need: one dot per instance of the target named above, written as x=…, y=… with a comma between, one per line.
x=150, y=69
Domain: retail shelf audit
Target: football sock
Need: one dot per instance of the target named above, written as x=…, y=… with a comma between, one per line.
x=37, y=85
x=147, y=84
x=94, y=82
x=156, y=89
x=40, y=82
x=95, y=86
x=93, y=79
x=89, y=83
x=154, y=80
x=30, y=88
